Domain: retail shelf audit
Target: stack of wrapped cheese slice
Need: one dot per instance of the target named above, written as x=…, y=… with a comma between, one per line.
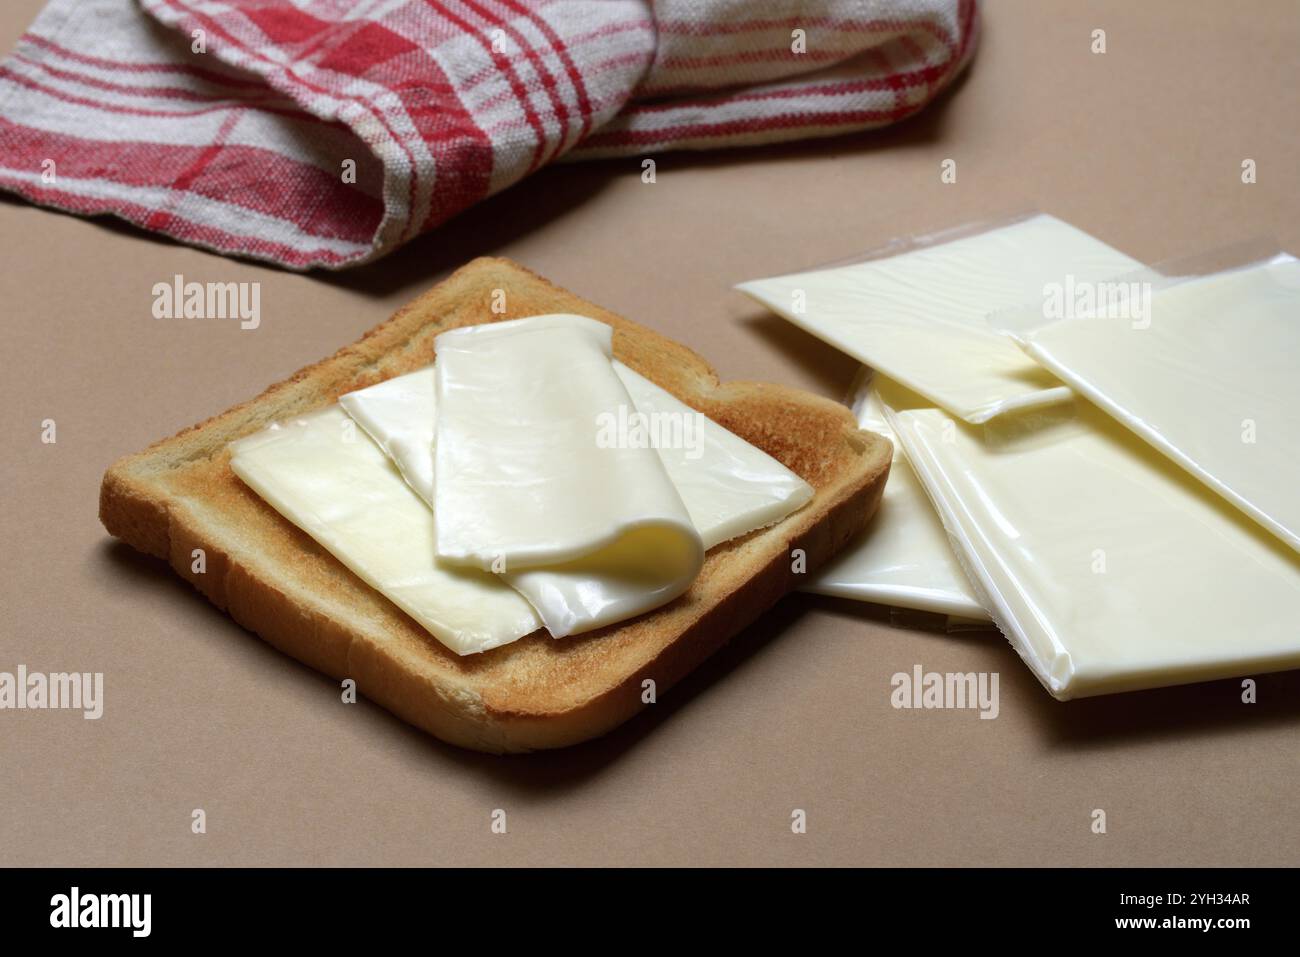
x=525, y=480
x=1117, y=489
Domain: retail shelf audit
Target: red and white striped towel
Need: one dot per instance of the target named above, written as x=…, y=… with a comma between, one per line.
x=329, y=132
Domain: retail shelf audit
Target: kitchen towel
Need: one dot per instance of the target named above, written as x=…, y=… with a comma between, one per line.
x=326, y=133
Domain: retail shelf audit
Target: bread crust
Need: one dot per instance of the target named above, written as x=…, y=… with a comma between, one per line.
x=179, y=495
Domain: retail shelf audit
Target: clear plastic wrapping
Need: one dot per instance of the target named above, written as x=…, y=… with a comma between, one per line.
x=903, y=558
x=1197, y=357
x=1106, y=566
x=917, y=310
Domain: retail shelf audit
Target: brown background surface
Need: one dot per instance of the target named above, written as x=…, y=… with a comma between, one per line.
x=1141, y=146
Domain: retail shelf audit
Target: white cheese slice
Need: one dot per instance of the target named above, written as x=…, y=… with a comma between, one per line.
x=327, y=477
x=728, y=486
x=1107, y=567
x=398, y=414
x=530, y=482
x=1208, y=378
x=921, y=317
x=903, y=558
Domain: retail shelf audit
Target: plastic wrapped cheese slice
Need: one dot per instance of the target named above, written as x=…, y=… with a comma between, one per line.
x=1106, y=566
x=533, y=476
x=728, y=486
x=903, y=558
x=921, y=317
x=327, y=477
x=1207, y=376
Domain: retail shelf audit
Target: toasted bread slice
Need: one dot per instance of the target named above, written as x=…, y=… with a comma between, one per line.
x=180, y=494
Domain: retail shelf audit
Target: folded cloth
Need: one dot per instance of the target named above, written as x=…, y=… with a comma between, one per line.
x=326, y=133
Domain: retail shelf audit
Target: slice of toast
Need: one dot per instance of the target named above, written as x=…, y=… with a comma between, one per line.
x=180, y=494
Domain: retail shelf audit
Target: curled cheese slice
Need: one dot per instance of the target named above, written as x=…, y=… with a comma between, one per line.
x=530, y=482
